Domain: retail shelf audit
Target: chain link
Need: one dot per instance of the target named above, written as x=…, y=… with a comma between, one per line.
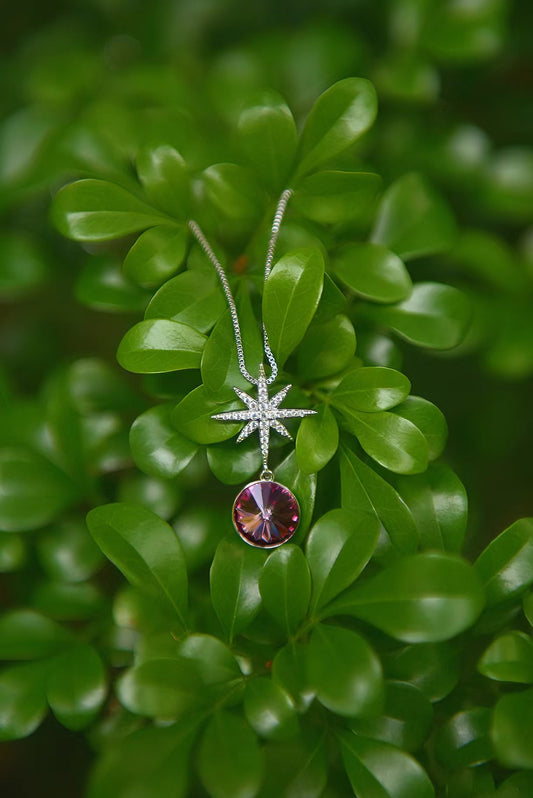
x=202, y=240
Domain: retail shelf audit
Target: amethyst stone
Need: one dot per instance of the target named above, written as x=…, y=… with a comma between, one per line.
x=266, y=514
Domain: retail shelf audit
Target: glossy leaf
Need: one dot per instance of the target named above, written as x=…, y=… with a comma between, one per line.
x=379, y=770
x=344, y=672
x=234, y=580
x=392, y=441
x=464, y=740
x=34, y=491
x=296, y=768
x=76, y=686
x=421, y=598
x=213, y=661
x=373, y=272
x=370, y=389
x=337, y=119
x=268, y=136
x=439, y=504
x=428, y=419
x=156, y=255
x=339, y=546
x=233, y=193
x=155, y=346
x=365, y=491
x=192, y=417
x=165, y=688
x=317, y=440
x=331, y=197
x=101, y=285
x=285, y=586
x=25, y=634
x=22, y=700
x=509, y=658
x=327, y=348
x=234, y=466
x=432, y=667
x=290, y=298
x=289, y=669
x=506, y=565
x=406, y=719
x=145, y=549
x=163, y=174
x=230, y=762
x=95, y=210
x=413, y=220
x=304, y=488
x=13, y=552
x=270, y=710
x=157, y=447
x=185, y=298
x=434, y=316
x=512, y=728
x=68, y=553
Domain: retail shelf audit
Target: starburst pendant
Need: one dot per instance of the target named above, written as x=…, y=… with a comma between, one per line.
x=265, y=513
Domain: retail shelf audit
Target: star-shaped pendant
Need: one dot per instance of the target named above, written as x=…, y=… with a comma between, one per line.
x=262, y=414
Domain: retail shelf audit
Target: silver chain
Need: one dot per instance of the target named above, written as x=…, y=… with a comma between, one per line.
x=202, y=240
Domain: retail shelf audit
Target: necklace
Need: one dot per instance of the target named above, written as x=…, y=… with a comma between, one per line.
x=265, y=512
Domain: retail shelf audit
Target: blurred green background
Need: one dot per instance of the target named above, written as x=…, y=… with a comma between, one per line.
x=454, y=81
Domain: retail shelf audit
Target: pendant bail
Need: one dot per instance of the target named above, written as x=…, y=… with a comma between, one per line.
x=266, y=475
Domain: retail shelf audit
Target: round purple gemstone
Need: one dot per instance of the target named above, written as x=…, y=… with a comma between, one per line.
x=266, y=514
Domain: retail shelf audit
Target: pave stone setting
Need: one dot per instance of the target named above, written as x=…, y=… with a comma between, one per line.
x=266, y=514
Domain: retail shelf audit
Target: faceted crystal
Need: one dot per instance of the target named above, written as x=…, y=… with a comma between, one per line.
x=266, y=514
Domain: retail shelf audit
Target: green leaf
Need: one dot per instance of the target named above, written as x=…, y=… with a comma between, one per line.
x=392, y=441
x=67, y=552
x=506, y=565
x=289, y=669
x=429, y=420
x=23, y=704
x=296, y=768
x=101, y=285
x=155, y=346
x=364, y=491
x=332, y=301
x=413, y=220
x=519, y=785
x=163, y=173
x=270, y=710
x=327, y=348
x=23, y=265
x=13, y=552
x=161, y=688
x=156, y=255
x=34, y=491
x=337, y=119
x=233, y=194
x=213, y=661
x=76, y=686
x=268, y=136
x=95, y=210
x=317, y=440
x=512, y=729
x=439, y=504
x=68, y=601
x=370, y=389
x=332, y=197
x=434, y=316
x=234, y=580
x=406, y=719
x=232, y=465
x=157, y=447
x=290, y=299
x=230, y=762
x=432, y=667
x=145, y=549
x=373, y=272
x=464, y=741
x=379, y=770
x=344, y=672
x=285, y=586
x=220, y=365
x=509, y=658
x=155, y=493
x=304, y=488
x=338, y=547
x=193, y=417
x=420, y=598
x=185, y=298
x=150, y=762
x=25, y=634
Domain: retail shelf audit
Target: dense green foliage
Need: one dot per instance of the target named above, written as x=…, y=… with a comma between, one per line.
x=370, y=656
